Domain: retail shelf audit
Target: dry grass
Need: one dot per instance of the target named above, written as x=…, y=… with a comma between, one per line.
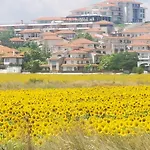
x=65, y=84
x=18, y=81
x=78, y=141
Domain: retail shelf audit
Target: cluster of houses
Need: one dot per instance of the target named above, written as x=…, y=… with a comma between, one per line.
x=57, y=35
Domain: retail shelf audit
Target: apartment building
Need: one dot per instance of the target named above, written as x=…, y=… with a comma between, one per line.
x=17, y=40
x=79, y=60
x=114, y=44
x=74, y=56
x=10, y=60
x=141, y=45
x=135, y=32
x=27, y=34
x=105, y=26
x=66, y=34
x=120, y=11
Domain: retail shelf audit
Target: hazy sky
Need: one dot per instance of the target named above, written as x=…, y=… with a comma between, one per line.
x=12, y=11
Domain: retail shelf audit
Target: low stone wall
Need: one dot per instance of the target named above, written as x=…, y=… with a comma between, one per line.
x=11, y=70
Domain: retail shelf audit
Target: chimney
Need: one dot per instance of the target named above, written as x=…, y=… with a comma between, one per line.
x=13, y=53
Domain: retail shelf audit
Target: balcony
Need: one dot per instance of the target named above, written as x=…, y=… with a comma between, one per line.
x=144, y=58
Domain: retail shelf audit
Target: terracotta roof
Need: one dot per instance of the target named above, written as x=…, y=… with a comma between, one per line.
x=86, y=49
x=117, y=37
x=103, y=22
x=139, y=51
x=82, y=41
x=72, y=45
x=30, y=31
x=77, y=65
x=105, y=4
x=16, y=39
x=131, y=1
x=137, y=30
x=51, y=19
x=78, y=59
x=139, y=44
x=49, y=34
x=6, y=50
x=12, y=56
x=64, y=43
x=142, y=37
x=77, y=52
x=51, y=38
x=65, y=32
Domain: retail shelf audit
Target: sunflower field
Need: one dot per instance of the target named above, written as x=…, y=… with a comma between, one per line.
x=42, y=113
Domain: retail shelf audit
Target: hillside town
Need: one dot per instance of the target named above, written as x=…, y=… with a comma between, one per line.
x=77, y=42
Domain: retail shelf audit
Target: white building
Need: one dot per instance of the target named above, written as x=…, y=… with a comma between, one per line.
x=10, y=60
x=30, y=33
x=121, y=11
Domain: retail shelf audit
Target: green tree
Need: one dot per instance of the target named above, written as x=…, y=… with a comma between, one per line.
x=35, y=66
x=84, y=35
x=88, y=67
x=138, y=70
x=105, y=62
x=32, y=55
x=119, y=62
x=5, y=37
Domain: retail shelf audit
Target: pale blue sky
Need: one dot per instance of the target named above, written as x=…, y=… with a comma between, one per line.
x=12, y=11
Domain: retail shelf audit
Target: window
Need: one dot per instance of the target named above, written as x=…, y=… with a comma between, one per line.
x=143, y=55
x=69, y=69
x=53, y=63
x=6, y=59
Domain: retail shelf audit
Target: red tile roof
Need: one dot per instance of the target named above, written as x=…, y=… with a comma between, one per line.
x=82, y=59
x=82, y=41
x=12, y=56
x=106, y=4
x=5, y=50
x=51, y=38
x=103, y=22
x=139, y=44
x=65, y=32
x=16, y=39
x=137, y=30
x=139, y=51
x=126, y=1
x=30, y=31
x=78, y=65
x=48, y=34
x=77, y=52
x=142, y=37
x=64, y=43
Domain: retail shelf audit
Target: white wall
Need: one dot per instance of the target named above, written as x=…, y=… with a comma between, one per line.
x=30, y=35
x=68, y=68
x=52, y=43
x=11, y=70
x=8, y=61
